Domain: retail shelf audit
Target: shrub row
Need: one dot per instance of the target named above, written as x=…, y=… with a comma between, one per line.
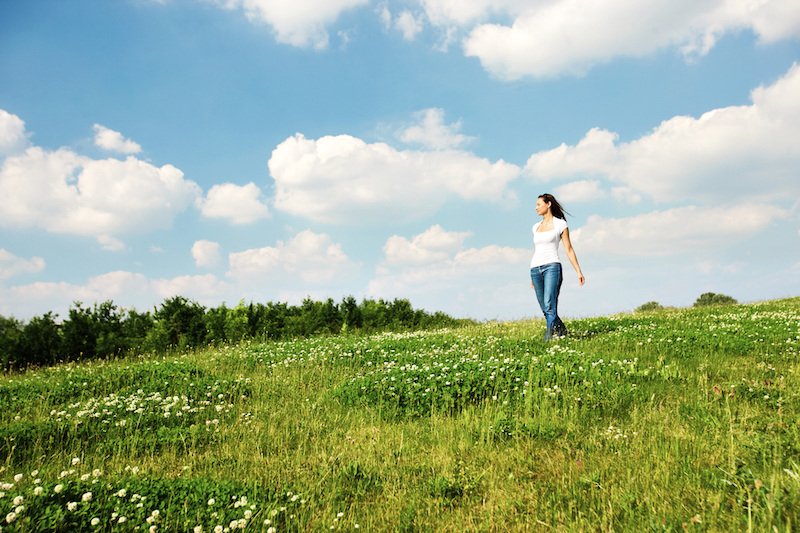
x=178, y=323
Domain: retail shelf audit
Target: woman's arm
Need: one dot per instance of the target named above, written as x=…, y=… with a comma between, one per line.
x=571, y=254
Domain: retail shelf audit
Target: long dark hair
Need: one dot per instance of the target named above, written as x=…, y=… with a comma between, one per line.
x=555, y=207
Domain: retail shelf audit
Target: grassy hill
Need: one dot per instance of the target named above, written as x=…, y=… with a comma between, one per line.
x=677, y=420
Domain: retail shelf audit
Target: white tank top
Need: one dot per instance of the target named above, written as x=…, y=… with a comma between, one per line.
x=546, y=243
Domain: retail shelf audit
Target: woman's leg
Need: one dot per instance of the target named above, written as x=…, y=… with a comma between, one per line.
x=537, y=279
x=551, y=290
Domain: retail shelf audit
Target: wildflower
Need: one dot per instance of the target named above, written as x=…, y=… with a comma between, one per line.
x=121, y=493
x=71, y=506
x=248, y=514
x=38, y=491
x=19, y=509
x=87, y=497
x=10, y=517
x=75, y=461
x=153, y=529
x=57, y=489
x=198, y=529
x=34, y=473
x=218, y=529
x=96, y=473
x=271, y=530
x=85, y=477
x=18, y=478
x=18, y=500
x=95, y=521
x=122, y=520
x=211, y=501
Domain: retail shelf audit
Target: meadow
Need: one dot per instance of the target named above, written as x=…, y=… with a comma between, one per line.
x=675, y=420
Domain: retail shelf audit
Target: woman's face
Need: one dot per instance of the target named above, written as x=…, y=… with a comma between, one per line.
x=541, y=207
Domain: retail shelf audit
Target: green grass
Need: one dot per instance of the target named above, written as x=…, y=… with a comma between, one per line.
x=676, y=420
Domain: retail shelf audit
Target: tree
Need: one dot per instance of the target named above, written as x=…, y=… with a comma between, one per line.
x=649, y=306
x=709, y=298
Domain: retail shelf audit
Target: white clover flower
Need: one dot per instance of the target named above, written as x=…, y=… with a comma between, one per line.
x=155, y=513
x=242, y=523
x=271, y=530
x=218, y=529
x=234, y=524
x=96, y=472
x=95, y=521
x=198, y=529
x=121, y=493
x=339, y=515
x=248, y=514
x=18, y=478
x=18, y=500
x=57, y=489
x=267, y=522
x=85, y=477
x=34, y=473
x=19, y=509
x=10, y=517
x=63, y=474
x=122, y=520
x=153, y=529
x=75, y=461
x=211, y=501
x=71, y=506
x=87, y=497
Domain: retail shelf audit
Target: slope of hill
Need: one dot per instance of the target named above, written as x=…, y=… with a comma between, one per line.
x=674, y=420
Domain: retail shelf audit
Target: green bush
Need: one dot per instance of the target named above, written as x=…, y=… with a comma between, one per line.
x=650, y=306
x=709, y=298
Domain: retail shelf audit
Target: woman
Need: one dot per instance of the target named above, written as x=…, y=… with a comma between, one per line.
x=545, y=267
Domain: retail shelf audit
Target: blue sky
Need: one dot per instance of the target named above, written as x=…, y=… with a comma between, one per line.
x=272, y=150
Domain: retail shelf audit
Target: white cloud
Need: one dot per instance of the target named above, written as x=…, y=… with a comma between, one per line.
x=342, y=179
x=580, y=191
x=434, y=244
x=241, y=204
x=205, y=288
x=311, y=257
x=733, y=154
x=299, y=23
x=552, y=37
x=114, y=141
x=125, y=289
x=13, y=138
x=408, y=24
x=436, y=274
x=11, y=265
x=432, y=133
x=678, y=231
x=111, y=243
x=626, y=194
x=206, y=253
x=63, y=192
x=384, y=15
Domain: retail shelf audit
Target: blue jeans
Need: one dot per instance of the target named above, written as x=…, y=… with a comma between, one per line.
x=546, y=281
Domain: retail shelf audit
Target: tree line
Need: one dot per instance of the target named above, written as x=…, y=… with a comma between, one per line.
x=105, y=329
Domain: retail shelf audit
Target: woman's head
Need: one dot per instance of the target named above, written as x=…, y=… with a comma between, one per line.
x=549, y=203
